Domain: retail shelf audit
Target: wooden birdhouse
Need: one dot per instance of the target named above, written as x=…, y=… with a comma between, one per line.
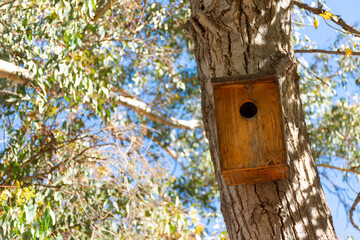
x=250, y=129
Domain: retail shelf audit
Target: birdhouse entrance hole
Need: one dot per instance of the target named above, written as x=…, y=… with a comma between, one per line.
x=248, y=110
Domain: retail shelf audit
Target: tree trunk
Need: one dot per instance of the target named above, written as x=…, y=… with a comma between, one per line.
x=241, y=37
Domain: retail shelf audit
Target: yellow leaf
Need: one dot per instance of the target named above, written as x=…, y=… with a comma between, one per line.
x=354, y=45
x=316, y=23
x=194, y=215
x=52, y=111
x=327, y=15
x=348, y=52
x=199, y=229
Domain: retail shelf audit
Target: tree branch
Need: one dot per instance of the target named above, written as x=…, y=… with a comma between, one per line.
x=102, y=11
x=338, y=52
x=45, y=186
x=144, y=109
x=14, y=73
x=338, y=168
x=334, y=18
x=312, y=73
x=351, y=211
x=22, y=76
x=3, y=4
x=52, y=169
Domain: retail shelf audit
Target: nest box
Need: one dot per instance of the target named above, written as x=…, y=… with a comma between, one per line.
x=250, y=129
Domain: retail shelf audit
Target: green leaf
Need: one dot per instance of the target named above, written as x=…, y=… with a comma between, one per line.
x=12, y=99
x=30, y=213
x=53, y=217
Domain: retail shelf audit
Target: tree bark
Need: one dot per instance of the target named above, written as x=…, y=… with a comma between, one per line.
x=233, y=38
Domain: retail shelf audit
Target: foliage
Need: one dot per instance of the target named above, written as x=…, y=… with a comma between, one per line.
x=329, y=87
x=330, y=94
x=79, y=159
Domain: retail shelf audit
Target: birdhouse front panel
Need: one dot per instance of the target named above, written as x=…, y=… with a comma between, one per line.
x=250, y=130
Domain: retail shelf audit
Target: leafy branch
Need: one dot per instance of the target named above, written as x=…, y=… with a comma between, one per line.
x=20, y=75
x=7, y=2
x=336, y=19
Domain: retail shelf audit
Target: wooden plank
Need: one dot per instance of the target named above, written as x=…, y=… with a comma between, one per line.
x=255, y=175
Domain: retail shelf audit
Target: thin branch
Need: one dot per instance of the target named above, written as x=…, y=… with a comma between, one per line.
x=334, y=18
x=5, y=3
x=338, y=52
x=172, y=154
x=146, y=110
x=46, y=186
x=340, y=192
x=14, y=73
x=338, y=168
x=102, y=11
x=337, y=29
x=351, y=211
x=5, y=186
x=316, y=76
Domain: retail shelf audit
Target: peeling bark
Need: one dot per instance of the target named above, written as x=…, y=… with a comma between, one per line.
x=14, y=73
x=148, y=111
x=233, y=38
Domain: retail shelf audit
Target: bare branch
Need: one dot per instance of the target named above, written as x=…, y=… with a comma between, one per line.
x=312, y=73
x=14, y=73
x=144, y=109
x=334, y=18
x=351, y=211
x=45, y=186
x=338, y=52
x=339, y=168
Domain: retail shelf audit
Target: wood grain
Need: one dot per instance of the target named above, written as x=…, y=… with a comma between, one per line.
x=256, y=143
x=254, y=175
